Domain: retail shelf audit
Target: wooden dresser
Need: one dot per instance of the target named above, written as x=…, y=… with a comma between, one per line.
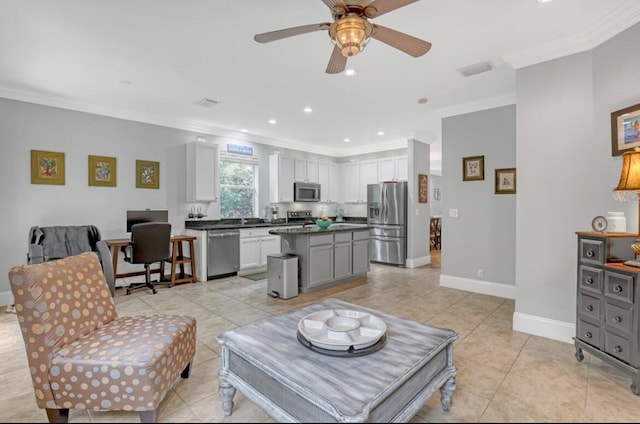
x=608, y=302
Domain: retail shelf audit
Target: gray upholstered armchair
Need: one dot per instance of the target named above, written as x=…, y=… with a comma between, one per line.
x=56, y=242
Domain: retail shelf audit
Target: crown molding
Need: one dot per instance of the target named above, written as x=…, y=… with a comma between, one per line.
x=596, y=34
x=488, y=103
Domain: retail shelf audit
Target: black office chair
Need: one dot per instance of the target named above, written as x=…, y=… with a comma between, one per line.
x=150, y=243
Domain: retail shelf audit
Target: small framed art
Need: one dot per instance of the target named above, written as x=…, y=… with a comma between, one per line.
x=423, y=188
x=102, y=171
x=473, y=168
x=625, y=129
x=147, y=174
x=47, y=167
x=506, y=181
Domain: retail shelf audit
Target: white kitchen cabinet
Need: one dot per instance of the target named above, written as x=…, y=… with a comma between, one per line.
x=306, y=170
x=323, y=179
x=402, y=168
x=255, y=245
x=329, y=177
x=202, y=172
x=351, y=174
x=368, y=175
x=393, y=168
x=281, y=177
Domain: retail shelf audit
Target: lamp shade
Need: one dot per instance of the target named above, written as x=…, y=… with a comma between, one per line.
x=630, y=173
x=351, y=34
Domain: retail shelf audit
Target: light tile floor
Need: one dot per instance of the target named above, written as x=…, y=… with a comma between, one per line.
x=503, y=376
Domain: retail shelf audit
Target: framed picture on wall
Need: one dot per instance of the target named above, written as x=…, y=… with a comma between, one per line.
x=473, y=168
x=147, y=174
x=506, y=181
x=47, y=167
x=102, y=171
x=423, y=188
x=625, y=129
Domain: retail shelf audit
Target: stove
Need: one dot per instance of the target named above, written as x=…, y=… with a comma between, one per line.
x=299, y=217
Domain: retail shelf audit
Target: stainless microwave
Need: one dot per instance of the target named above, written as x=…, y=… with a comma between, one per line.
x=306, y=192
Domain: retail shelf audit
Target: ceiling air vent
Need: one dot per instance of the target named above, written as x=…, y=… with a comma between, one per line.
x=207, y=102
x=476, y=68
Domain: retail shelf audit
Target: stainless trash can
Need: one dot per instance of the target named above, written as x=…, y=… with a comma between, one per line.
x=282, y=275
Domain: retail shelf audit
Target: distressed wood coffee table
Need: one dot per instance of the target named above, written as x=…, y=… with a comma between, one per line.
x=266, y=362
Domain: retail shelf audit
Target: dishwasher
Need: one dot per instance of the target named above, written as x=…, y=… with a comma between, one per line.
x=223, y=252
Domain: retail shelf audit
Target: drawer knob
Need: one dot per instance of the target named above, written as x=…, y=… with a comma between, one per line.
x=617, y=319
x=590, y=253
x=617, y=349
x=588, y=280
x=617, y=288
x=588, y=334
x=589, y=308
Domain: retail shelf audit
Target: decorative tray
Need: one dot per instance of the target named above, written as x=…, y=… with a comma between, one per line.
x=341, y=330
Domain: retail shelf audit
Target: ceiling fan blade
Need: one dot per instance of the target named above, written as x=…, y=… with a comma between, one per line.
x=337, y=62
x=401, y=41
x=332, y=4
x=385, y=6
x=266, y=37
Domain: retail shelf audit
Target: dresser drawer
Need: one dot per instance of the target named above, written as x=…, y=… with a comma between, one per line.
x=589, y=306
x=619, y=286
x=588, y=333
x=590, y=278
x=618, y=317
x=617, y=346
x=591, y=251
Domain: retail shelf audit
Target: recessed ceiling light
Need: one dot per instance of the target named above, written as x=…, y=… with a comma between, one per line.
x=272, y=121
x=308, y=110
x=350, y=72
x=380, y=132
x=346, y=140
x=244, y=130
x=544, y=1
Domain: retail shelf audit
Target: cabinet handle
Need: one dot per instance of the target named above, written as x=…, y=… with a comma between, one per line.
x=590, y=253
x=617, y=288
x=589, y=308
x=588, y=334
x=617, y=319
x=617, y=349
x=588, y=280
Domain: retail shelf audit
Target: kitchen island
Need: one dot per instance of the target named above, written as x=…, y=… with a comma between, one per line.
x=327, y=257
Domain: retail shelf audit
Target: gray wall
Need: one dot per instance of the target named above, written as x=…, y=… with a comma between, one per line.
x=483, y=236
x=566, y=173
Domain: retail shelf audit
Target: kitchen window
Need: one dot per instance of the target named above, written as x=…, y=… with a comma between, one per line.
x=238, y=186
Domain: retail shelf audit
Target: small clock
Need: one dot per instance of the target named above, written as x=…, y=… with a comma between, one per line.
x=599, y=223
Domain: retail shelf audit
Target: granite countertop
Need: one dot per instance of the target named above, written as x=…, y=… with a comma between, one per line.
x=225, y=224
x=315, y=229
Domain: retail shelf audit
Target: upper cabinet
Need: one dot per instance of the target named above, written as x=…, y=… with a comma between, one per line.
x=329, y=177
x=281, y=177
x=306, y=170
x=202, y=172
x=393, y=168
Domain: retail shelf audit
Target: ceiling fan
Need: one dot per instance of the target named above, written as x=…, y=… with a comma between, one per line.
x=351, y=30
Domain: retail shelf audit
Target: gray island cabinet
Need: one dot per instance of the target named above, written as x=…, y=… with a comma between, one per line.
x=329, y=256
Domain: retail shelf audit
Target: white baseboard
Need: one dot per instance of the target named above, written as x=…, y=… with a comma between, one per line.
x=544, y=327
x=418, y=262
x=478, y=286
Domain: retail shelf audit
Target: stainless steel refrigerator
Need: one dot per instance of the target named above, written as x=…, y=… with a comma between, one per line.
x=387, y=217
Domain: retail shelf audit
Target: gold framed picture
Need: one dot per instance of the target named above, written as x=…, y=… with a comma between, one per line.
x=423, y=188
x=102, y=171
x=147, y=174
x=473, y=168
x=506, y=181
x=625, y=129
x=47, y=167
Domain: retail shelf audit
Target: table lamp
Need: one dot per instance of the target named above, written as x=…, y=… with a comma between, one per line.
x=628, y=188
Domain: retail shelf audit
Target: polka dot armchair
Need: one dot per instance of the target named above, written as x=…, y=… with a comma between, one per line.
x=82, y=355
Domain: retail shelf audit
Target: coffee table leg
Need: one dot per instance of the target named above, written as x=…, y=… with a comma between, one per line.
x=227, y=392
x=446, y=391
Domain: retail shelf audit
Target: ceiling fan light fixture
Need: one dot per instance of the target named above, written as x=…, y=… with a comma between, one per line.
x=351, y=34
